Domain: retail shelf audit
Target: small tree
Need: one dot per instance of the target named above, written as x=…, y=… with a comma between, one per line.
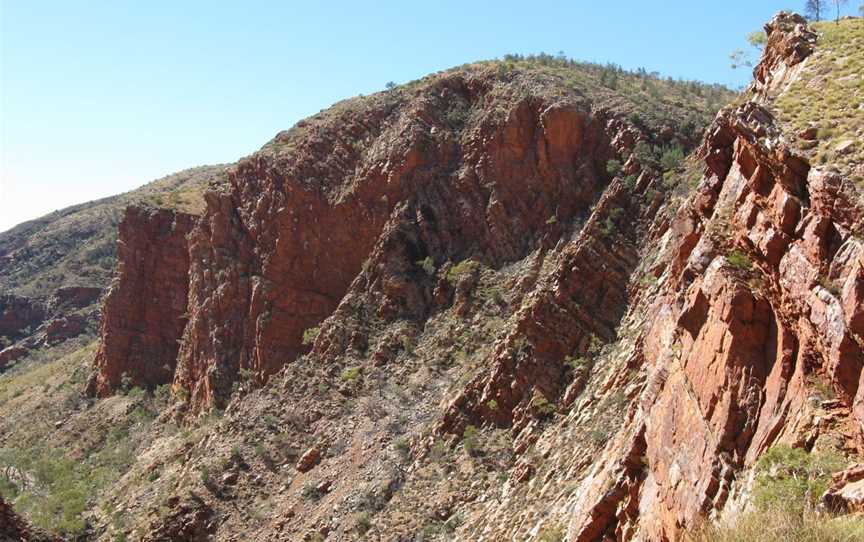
x=838, y=4
x=739, y=57
x=390, y=85
x=814, y=9
x=757, y=38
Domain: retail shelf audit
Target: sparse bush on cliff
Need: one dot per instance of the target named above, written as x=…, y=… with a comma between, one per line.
x=461, y=269
x=351, y=374
x=310, y=335
x=470, y=440
x=672, y=158
x=428, y=265
x=789, y=483
x=738, y=259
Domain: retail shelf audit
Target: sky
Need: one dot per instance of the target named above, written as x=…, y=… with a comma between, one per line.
x=100, y=97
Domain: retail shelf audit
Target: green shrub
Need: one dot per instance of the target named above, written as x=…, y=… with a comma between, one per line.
x=470, y=440
x=310, y=335
x=644, y=152
x=363, y=523
x=350, y=374
x=551, y=534
x=739, y=260
x=672, y=158
x=461, y=269
x=613, y=167
x=780, y=524
x=126, y=382
x=311, y=492
x=428, y=265
x=789, y=483
x=788, y=477
x=402, y=448
x=576, y=362
x=610, y=225
x=204, y=474
x=541, y=405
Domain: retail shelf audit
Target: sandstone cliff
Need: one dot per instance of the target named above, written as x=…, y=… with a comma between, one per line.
x=493, y=305
x=144, y=313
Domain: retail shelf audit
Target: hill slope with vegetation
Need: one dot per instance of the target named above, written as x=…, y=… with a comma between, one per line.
x=523, y=299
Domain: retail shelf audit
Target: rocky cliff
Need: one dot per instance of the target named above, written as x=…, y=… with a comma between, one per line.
x=144, y=312
x=498, y=304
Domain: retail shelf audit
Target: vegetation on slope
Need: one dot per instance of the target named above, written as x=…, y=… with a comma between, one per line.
x=828, y=97
x=76, y=246
x=646, y=98
x=789, y=483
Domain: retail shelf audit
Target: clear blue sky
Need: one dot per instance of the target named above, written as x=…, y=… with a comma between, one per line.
x=99, y=97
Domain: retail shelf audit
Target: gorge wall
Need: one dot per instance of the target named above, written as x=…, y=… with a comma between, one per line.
x=507, y=249
x=144, y=312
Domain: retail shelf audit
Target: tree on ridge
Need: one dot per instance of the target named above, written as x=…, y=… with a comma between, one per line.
x=815, y=8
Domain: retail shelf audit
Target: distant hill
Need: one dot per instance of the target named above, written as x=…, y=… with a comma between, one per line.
x=76, y=246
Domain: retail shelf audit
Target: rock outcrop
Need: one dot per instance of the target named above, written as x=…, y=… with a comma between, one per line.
x=638, y=338
x=144, y=312
x=19, y=316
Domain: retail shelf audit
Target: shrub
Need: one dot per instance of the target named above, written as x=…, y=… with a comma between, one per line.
x=613, y=167
x=402, y=448
x=350, y=374
x=575, y=362
x=610, y=225
x=789, y=482
x=792, y=477
x=363, y=523
x=542, y=406
x=551, y=534
x=162, y=395
x=428, y=265
x=311, y=492
x=672, y=158
x=125, y=382
x=204, y=474
x=644, y=152
x=470, y=440
x=461, y=269
x=739, y=260
x=310, y=335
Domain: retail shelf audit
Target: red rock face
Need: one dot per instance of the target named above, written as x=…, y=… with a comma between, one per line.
x=61, y=329
x=143, y=313
x=276, y=252
x=18, y=315
x=790, y=41
x=761, y=298
x=75, y=297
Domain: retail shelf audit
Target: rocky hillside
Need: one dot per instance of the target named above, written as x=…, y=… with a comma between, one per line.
x=494, y=304
x=54, y=270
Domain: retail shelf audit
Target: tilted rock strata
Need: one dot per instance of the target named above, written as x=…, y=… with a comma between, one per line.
x=143, y=314
x=275, y=255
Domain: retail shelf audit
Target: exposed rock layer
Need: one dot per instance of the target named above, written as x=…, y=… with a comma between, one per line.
x=143, y=315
